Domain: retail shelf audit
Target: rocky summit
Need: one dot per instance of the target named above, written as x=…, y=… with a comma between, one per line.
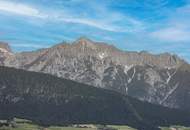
x=160, y=79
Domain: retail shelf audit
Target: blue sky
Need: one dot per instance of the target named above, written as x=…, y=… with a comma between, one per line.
x=134, y=25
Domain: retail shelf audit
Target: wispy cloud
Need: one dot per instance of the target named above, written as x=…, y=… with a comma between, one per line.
x=34, y=46
x=176, y=27
x=88, y=22
x=172, y=34
x=109, y=21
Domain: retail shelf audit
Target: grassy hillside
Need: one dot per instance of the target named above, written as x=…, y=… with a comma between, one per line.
x=48, y=100
x=21, y=124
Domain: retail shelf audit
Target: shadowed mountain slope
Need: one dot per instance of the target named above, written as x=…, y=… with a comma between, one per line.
x=49, y=100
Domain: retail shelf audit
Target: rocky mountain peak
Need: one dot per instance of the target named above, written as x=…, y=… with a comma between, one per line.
x=4, y=47
x=85, y=43
x=83, y=39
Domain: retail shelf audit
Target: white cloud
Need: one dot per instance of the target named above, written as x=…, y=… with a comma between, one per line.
x=172, y=35
x=20, y=9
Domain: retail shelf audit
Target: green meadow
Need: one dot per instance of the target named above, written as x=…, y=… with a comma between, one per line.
x=21, y=124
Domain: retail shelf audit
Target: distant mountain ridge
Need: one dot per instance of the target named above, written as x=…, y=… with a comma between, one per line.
x=49, y=100
x=161, y=79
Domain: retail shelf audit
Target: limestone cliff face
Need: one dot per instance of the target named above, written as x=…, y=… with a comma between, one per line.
x=154, y=78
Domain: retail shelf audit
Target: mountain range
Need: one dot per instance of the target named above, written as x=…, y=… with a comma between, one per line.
x=162, y=79
x=49, y=100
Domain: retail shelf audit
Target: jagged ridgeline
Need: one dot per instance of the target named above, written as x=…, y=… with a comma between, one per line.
x=162, y=79
x=49, y=100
